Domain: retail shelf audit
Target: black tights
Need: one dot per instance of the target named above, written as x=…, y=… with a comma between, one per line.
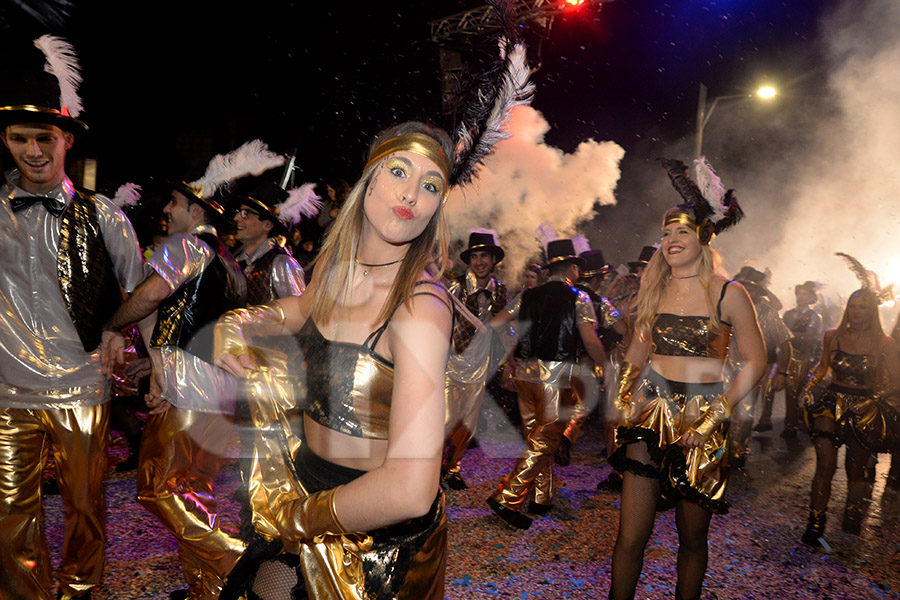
x=636, y=518
x=856, y=466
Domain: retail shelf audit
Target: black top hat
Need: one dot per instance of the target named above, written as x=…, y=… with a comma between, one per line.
x=32, y=95
x=482, y=241
x=748, y=274
x=644, y=258
x=266, y=196
x=193, y=194
x=563, y=251
x=594, y=263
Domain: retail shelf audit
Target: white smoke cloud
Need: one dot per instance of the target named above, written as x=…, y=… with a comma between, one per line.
x=841, y=195
x=527, y=182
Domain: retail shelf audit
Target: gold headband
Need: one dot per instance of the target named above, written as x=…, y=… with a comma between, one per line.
x=705, y=230
x=420, y=144
x=680, y=216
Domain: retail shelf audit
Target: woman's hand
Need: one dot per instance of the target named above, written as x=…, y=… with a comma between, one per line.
x=236, y=365
x=691, y=439
x=154, y=399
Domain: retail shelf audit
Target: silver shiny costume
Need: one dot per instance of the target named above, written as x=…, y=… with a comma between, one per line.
x=468, y=367
x=52, y=393
x=183, y=446
x=285, y=273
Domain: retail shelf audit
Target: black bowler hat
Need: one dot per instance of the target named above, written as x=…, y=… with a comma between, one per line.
x=282, y=207
x=644, y=258
x=563, y=251
x=594, y=263
x=483, y=239
x=40, y=85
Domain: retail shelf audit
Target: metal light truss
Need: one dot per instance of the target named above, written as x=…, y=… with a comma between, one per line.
x=482, y=20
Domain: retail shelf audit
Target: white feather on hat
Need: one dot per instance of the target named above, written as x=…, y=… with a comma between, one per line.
x=62, y=63
x=127, y=195
x=581, y=244
x=252, y=158
x=301, y=202
x=545, y=234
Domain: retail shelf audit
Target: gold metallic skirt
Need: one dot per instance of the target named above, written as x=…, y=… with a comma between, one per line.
x=662, y=412
x=872, y=419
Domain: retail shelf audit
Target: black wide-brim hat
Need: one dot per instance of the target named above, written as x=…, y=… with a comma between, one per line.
x=563, y=251
x=31, y=95
x=482, y=241
x=265, y=197
x=594, y=263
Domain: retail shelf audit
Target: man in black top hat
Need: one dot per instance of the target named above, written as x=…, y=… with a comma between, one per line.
x=192, y=280
x=270, y=269
x=554, y=320
x=637, y=266
x=66, y=254
x=610, y=330
x=469, y=365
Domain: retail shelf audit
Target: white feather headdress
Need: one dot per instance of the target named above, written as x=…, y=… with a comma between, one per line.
x=581, y=244
x=127, y=195
x=62, y=63
x=301, y=202
x=545, y=234
x=252, y=158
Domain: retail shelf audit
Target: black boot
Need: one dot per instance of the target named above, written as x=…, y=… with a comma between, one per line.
x=853, y=517
x=512, y=517
x=678, y=596
x=562, y=457
x=815, y=527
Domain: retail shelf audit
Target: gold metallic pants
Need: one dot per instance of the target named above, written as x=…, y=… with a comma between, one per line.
x=587, y=397
x=545, y=413
x=464, y=401
x=78, y=437
x=180, y=459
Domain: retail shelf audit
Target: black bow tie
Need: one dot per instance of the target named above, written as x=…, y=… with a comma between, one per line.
x=54, y=206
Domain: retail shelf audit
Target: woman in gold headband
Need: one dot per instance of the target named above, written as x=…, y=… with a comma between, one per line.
x=672, y=449
x=345, y=478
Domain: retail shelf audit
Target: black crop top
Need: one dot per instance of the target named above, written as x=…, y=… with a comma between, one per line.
x=675, y=335
x=852, y=369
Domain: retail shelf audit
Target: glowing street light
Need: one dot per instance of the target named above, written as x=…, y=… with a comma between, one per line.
x=574, y=2
x=704, y=113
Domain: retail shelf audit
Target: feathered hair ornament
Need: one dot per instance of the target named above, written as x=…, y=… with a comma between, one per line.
x=301, y=202
x=62, y=63
x=868, y=279
x=252, y=158
x=127, y=195
x=708, y=206
x=489, y=101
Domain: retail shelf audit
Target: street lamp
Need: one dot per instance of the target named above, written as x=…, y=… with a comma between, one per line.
x=704, y=112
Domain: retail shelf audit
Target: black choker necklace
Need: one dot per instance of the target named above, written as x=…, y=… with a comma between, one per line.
x=688, y=277
x=374, y=266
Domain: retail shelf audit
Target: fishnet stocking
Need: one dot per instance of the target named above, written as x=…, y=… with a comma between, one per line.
x=636, y=517
x=275, y=580
x=859, y=475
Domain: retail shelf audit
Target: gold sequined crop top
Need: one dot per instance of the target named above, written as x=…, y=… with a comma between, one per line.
x=852, y=369
x=349, y=386
x=674, y=335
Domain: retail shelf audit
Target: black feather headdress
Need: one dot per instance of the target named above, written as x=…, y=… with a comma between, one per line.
x=712, y=208
x=868, y=279
x=489, y=99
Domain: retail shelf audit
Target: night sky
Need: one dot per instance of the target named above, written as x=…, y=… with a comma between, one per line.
x=169, y=84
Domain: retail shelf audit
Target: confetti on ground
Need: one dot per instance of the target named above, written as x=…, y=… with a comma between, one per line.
x=755, y=550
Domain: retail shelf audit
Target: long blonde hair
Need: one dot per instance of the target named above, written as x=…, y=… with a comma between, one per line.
x=429, y=251
x=655, y=281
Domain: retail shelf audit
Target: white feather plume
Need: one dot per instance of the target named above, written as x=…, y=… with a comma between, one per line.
x=253, y=158
x=127, y=195
x=710, y=186
x=62, y=63
x=545, y=234
x=581, y=244
x=301, y=202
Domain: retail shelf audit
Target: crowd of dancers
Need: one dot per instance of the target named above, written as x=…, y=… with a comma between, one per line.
x=357, y=391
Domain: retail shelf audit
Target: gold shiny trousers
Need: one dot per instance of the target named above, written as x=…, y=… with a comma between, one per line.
x=587, y=383
x=463, y=408
x=545, y=411
x=180, y=457
x=78, y=437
